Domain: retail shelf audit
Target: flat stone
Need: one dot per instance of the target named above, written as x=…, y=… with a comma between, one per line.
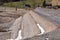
x=29, y=27
x=5, y=19
x=15, y=27
x=47, y=25
x=54, y=35
x=5, y=35
x=39, y=37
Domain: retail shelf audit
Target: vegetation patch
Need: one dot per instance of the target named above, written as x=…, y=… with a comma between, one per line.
x=21, y=4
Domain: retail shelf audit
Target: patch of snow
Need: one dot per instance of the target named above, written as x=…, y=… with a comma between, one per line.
x=47, y=38
x=41, y=28
x=19, y=36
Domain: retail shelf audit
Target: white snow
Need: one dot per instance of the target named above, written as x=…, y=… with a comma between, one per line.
x=41, y=28
x=19, y=36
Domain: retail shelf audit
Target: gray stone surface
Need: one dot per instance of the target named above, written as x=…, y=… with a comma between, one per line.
x=11, y=23
x=50, y=14
x=29, y=27
x=5, y=35
x=15, y=27
x=47, y=25
x=54, y=35
x=8, y=17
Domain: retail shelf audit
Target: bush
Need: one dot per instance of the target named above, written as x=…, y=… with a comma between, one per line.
x=21, y=4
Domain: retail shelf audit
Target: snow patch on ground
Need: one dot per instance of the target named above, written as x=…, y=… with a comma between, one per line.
x=41, y=29
x=19, y=36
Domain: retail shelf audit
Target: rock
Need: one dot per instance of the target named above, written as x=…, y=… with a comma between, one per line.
x=5, y=19
x=54, y=35
x=47, y=25
x=38, y=37
x=29, y=27
x=5, y=35
x=15, y=27
x=10, y=21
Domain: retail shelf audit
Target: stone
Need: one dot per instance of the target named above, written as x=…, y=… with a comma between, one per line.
x=15, y=27
x=5, y=35
x=46, y=24
x=29, y=27
x=54, y=35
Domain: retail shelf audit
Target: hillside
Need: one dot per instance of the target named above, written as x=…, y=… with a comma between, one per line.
x=21, y=4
